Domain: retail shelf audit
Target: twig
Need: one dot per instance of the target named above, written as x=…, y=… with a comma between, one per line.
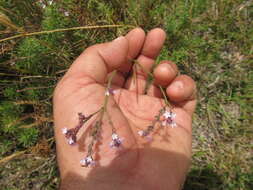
x=8, y=158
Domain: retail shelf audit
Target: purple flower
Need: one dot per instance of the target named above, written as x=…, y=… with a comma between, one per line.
x=142, y=133
x=70, y=135
x=109, y=92
x=169, y=119
x=66, y=13
x=145, y=134
x=71, y=141
x=116, y=141
x=88, y=161
x=64, y=131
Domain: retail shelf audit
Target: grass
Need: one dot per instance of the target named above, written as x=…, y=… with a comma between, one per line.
x=212, y=41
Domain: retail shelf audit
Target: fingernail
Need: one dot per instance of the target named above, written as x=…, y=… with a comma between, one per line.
x=178, y=85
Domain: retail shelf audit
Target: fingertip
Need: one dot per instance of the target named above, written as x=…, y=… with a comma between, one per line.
x=165, y=72
x=136, y=38
x=136, y=31
x=115, y=52
x=181, y=89
x=154, y=43
x=160, y=32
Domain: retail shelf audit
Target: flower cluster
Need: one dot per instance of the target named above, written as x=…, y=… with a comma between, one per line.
x=146, y=133
x=45, y=3
x=87, y=162
x=169, y=119
x=164, y=118
x=70, y=134
x=116, y=141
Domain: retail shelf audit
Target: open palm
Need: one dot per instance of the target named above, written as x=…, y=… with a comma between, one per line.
x=159, y=164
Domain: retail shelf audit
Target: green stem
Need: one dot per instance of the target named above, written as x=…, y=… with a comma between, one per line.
x=108, y=88
x=165, y=97
x=102, y=111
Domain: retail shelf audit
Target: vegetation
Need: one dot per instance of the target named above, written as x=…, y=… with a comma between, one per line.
x=211, y=40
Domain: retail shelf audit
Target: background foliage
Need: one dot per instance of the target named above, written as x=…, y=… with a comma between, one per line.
x=211, y=40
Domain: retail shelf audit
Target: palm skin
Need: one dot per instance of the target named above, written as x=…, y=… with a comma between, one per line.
x=159, y=164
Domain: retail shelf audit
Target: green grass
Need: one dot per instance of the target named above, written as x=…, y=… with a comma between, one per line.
x=212, y=41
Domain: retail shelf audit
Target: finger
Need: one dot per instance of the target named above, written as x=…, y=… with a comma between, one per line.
x=182, y=92
x=98, y=60
x=165, y=73
x=136, y=38
x=154, y=43
x=179, y=136
x=151, y=49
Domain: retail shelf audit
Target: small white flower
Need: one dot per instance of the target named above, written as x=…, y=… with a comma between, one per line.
x=88, y=161
x=169, y=114
x=50, y=2
x=66, y=13
x=71, y=141
x=116, y=141
x=83, y=162
x=169, y=119
x=109, y=92
x=146, y=135
x=141, y=133
x=64, y=131
x=43, y=6
x=115, y=136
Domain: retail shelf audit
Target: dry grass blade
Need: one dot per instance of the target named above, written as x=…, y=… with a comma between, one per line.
x=24, y=102
x=63, y=30
x=4, y=20
x=15, y=122
x=14, y=155
x=35, y=88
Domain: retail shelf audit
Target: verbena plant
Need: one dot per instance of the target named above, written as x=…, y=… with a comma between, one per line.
x=210, y=40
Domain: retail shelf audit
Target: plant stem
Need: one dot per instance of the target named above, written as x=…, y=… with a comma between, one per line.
x=165, y=97
x=102, y=111
x=108, y=88
x=63, y=30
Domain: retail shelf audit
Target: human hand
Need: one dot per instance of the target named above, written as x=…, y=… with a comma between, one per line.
x=159, y=164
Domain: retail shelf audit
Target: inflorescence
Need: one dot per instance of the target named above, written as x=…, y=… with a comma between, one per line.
x=164, y=118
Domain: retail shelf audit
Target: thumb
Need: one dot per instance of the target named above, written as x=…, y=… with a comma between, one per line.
x=98, y=60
